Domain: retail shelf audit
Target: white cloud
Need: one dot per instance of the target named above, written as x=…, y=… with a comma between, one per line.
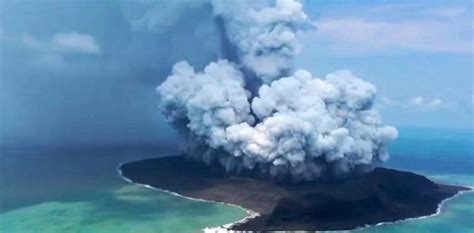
x=386, y=101
x=417, y=103
x=51, y=52
x=360, y=35
x=75, y=42
x=390, y=28
x=426, y=104
x=70, y=42
x=419, y=100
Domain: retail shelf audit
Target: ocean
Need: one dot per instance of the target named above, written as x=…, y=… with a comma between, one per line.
x=79, y=190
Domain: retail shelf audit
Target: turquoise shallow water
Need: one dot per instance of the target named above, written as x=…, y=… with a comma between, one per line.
x=63, y=191
x=127, y=209
x=50, y=192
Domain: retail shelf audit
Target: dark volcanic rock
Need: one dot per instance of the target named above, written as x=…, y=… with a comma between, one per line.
x=382, y=195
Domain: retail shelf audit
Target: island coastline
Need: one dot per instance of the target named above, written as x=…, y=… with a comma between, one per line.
x=252, y=214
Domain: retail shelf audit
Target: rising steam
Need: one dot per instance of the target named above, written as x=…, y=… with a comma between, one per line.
x=295, y=125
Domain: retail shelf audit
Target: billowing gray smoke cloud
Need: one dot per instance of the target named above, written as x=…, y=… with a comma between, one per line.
x=264, y=33
x=296, y=125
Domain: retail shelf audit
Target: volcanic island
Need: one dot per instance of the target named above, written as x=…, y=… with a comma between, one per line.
x=381, y=195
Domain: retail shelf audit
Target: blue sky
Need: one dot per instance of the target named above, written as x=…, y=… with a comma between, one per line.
x=417, y=53
x=84, y=72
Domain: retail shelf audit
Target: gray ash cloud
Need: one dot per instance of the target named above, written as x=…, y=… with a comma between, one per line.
x=255, y=111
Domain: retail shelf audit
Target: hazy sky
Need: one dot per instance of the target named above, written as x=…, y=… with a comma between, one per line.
x=85, y=72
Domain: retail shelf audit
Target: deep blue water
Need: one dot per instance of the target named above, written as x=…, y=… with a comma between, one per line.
x=434, y=150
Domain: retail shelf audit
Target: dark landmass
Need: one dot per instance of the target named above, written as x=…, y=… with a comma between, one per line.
x=382, y=195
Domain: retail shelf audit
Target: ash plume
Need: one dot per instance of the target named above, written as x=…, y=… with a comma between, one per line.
x=263, y=33
x=294, y=124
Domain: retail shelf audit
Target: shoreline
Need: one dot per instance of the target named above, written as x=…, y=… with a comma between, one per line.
x=438, y=210
x=253, y=214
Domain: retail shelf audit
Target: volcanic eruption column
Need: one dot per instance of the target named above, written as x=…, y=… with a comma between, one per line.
x=255, y=112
